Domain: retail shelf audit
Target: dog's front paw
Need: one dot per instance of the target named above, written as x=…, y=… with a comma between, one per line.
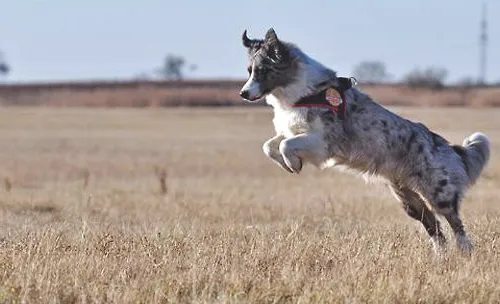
x=290, y=157
x=294, y=163
x=286, y=168
x=281, y=163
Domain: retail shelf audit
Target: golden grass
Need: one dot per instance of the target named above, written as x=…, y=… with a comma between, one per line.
x=181, y=206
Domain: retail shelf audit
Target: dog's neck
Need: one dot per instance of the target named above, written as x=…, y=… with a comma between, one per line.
x=310, y=76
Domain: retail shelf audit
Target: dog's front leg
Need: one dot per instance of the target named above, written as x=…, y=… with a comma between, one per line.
x=303, y=147
x=271, y=149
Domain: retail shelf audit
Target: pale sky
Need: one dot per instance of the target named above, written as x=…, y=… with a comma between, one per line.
x=118, y=39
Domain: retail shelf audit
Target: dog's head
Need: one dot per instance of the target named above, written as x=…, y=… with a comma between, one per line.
x=270, y=66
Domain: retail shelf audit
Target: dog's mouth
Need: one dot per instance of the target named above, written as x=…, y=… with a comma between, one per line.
x=254, y=99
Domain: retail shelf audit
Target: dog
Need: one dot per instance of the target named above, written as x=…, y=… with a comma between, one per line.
x=321, y=121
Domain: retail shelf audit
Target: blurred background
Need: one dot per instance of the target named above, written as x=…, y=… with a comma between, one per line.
x=156, y=53
x=113, y=190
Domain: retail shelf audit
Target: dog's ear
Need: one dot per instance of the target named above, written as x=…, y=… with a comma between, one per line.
x=275, y=47
x=271, y=37
x=251, y=44
x=247, y=42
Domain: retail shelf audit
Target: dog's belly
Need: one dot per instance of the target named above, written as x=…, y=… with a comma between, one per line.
x=372, y=176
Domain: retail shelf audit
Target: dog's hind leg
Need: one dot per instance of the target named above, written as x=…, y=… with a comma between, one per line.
x=444, y=196
x=416, y=208
x=463, y=241
x=271, y=149
x=449, y=209
x=303, y=147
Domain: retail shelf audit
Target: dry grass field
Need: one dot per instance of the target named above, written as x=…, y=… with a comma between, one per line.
x=84, y=218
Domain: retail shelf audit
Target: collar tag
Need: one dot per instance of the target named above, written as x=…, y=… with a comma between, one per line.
x=333, y=97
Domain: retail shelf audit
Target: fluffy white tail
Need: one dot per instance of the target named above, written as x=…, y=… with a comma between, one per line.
x=475, y=153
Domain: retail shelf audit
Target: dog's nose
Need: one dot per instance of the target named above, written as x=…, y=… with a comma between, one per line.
x=244, y=94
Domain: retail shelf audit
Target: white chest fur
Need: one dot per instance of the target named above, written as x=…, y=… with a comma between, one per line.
x=293, y=121
x=289, y=121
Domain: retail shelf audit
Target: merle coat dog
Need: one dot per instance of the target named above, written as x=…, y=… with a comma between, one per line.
x=425, y=172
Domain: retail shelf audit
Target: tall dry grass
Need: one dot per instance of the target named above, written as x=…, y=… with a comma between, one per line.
x=83, y=217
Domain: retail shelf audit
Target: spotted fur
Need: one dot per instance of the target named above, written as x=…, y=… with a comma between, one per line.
x=427, y=174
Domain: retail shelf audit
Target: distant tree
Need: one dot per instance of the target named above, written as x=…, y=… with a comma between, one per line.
x=174, y=67
x=431, y=77
x=4, y=67
x=370, y=72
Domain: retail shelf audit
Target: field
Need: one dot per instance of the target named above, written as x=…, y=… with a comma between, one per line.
x=181, y=206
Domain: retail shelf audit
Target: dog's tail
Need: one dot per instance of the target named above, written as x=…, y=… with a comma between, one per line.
x=475, y=154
